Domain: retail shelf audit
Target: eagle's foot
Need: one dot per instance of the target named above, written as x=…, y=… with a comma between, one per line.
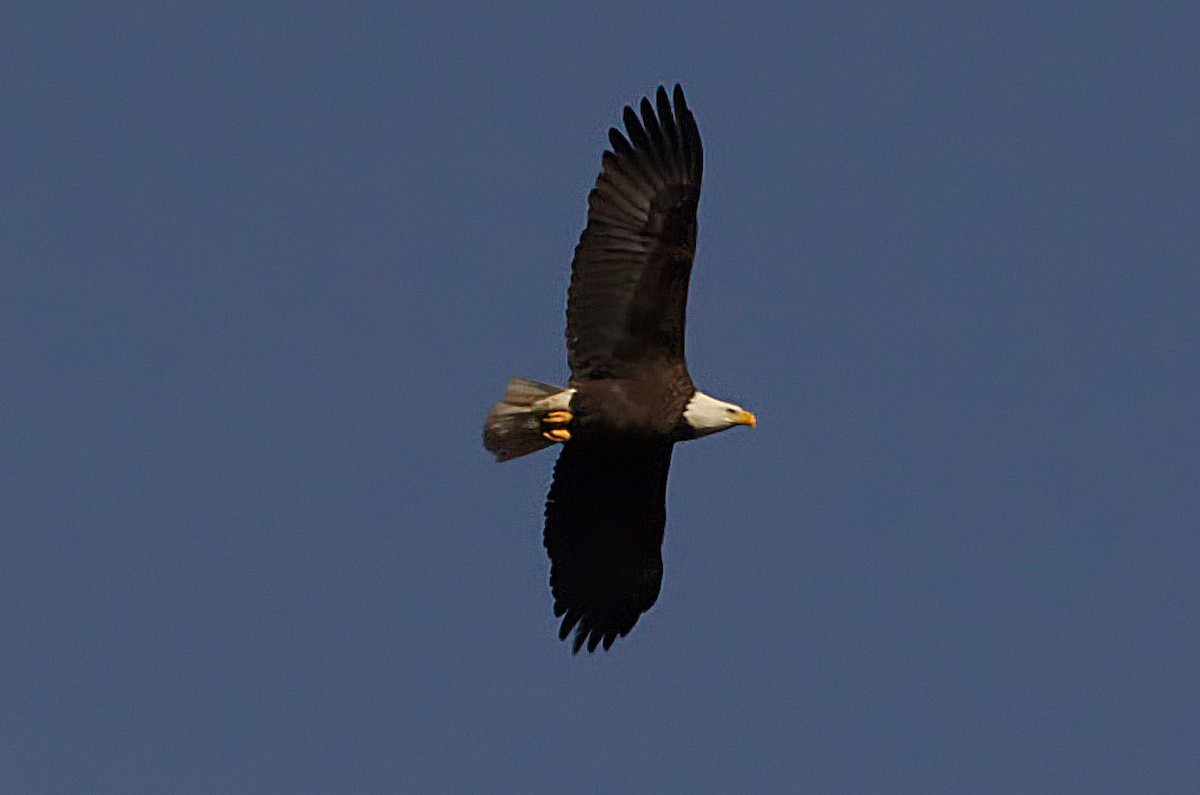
x=554, y=425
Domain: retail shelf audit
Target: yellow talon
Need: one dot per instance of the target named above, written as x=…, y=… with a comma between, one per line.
x=557, y=435
x=558, y=417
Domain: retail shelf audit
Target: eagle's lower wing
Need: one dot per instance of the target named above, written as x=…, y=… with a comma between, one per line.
x=604, y=531
x=629, y=279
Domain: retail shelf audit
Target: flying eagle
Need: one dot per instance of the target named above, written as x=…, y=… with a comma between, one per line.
x=630, y=397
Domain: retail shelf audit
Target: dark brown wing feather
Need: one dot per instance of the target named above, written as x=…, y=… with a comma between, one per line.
x=604, y=531
x=629, y=279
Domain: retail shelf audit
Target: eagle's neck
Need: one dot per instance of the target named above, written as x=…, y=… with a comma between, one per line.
x=705, y=414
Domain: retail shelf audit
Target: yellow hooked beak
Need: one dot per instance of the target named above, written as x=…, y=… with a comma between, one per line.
x=745, y=418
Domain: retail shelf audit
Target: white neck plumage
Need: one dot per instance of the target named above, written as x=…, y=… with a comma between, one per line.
x=707, y=415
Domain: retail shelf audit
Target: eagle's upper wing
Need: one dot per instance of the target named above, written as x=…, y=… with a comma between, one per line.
x=604, y=531
x=629, y=278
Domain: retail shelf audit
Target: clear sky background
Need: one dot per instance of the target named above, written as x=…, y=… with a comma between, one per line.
x=265, y=268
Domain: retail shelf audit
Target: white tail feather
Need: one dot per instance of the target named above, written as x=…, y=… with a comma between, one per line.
x=514, y=425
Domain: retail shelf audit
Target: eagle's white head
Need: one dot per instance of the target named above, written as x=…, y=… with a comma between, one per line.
x=705, y=415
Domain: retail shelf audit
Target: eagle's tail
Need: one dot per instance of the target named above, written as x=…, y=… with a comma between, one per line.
x=514, y=425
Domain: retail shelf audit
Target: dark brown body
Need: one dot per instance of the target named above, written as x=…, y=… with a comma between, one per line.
x=626, y=310
x=647, y=407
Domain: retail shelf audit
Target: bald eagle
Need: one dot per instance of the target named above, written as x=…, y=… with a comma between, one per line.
x=630, y=398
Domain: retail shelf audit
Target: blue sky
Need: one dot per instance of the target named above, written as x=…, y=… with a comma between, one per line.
x=264, y=270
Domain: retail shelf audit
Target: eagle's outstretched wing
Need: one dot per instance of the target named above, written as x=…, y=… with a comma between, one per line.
x=629, y=278
x=604, y=531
